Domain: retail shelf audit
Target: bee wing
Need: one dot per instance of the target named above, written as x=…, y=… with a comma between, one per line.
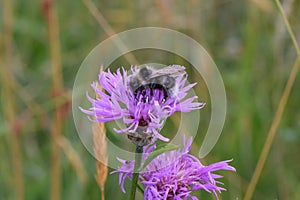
x=173, y=70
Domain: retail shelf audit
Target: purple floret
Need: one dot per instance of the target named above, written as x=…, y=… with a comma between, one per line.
x=175, y=174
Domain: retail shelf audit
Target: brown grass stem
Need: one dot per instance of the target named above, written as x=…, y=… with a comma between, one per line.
x=278, y=115
x=24, y=96
x=163, y=8
x=9, y=105
x=73, y=158
x=100, y=148
x=272, y=132
x=109, y=30
x=288, y=26
x=100, y=144
x=56, y=131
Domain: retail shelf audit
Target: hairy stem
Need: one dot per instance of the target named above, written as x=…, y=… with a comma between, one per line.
x=137, y=164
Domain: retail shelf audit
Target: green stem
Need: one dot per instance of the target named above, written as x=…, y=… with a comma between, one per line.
x=137, y=164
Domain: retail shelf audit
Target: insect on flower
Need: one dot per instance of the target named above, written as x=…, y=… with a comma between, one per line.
x=144, y=100
x=163, y=79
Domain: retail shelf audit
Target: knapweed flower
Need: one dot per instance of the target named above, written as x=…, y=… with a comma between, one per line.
x=143, y=99
x=175, y=174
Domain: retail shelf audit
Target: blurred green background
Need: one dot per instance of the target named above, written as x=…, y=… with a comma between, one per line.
x=247, y=40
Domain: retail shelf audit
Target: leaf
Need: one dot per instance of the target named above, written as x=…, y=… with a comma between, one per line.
x=157, y=152
x=140, y=187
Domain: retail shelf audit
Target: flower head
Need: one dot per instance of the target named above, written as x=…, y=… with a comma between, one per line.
x=143, y=99
x=175, y=174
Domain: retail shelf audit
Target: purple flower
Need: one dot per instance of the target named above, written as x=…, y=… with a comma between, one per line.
x=143, y=99
x=175, y=174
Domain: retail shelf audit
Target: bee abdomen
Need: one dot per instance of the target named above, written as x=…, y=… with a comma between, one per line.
x=167, y=81
x=151, y=87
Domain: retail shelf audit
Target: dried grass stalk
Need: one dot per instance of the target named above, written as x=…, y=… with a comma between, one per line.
x=73, y=158
x=100, y=146
x=9, y=100
x=57, y=80
x=108, y=29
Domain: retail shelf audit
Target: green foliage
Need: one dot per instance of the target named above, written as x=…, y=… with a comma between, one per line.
x=247, y=40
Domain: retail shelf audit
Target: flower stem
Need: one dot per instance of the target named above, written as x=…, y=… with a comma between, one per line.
x=137, y=164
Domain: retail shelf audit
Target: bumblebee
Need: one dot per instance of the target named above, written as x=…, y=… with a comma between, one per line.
x=150, y=78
